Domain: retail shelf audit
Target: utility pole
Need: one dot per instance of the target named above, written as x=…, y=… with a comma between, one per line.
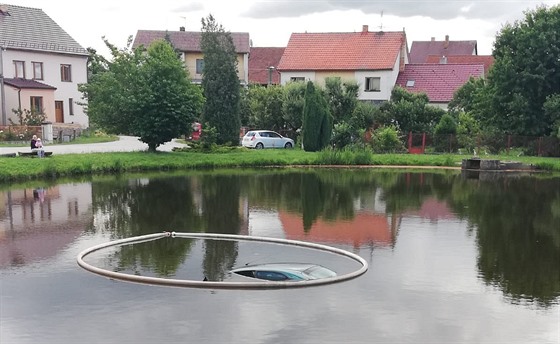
x=2, y=94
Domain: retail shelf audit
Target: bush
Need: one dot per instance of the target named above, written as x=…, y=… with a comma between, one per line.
x=386, y=140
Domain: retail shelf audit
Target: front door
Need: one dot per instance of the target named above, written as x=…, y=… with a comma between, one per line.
x=59, y=111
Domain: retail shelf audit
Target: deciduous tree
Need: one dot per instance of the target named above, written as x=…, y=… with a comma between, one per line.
x=146, y=93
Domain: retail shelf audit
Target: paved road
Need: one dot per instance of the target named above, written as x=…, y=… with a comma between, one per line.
x=124, y=144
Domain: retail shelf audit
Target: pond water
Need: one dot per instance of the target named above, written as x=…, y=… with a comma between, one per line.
x=453, y=258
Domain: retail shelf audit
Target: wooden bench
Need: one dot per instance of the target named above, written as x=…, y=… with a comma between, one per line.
x=33, y=154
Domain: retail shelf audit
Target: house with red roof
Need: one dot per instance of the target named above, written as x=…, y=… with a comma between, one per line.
x=486, y=60
x=372, y=59
x=188, y=43
x=438, y=81
x=420, y=50
x=263, y=65
x=41, y=68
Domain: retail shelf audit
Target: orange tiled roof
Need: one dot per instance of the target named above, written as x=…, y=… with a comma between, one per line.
x=342, y=51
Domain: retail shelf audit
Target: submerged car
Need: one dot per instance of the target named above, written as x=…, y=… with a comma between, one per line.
x=285, y=272
x=260, y=139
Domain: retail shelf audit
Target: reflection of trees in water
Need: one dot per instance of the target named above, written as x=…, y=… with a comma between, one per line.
x=221, y=202
x=518, y=232
x=516, y=220
x=133, y=207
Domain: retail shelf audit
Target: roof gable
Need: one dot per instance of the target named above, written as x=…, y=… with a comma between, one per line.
x=188, y=41
x=438, y=81
x=419, y=50
x=32, y=29
x=260, y=60
x=342, y=51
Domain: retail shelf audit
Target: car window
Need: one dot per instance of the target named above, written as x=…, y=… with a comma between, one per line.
x=250, y=134
x=263, y=134
x=273, y=134
x=270, y=275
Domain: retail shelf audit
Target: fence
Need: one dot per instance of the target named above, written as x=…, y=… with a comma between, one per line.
x=419, y=143
x=18, y=133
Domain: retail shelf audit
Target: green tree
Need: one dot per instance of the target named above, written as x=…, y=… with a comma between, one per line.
x=266, y=107
x=220, y=82
x=410, y=112
x=317, y=125
x=146, y=93
x=526, y=71
x=342, y=98
x=552, y=113
x=294, y=101
x=444, y=133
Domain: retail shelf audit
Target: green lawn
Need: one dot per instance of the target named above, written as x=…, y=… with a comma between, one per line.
x=19, y=168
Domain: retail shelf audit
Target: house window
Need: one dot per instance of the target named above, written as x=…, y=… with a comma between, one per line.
x=36, y=104
x=20, y=69
x=71, y=106
x=373, y=84
x=297, y=79
x=37, y=70
x=199, y=66
x=65, y=72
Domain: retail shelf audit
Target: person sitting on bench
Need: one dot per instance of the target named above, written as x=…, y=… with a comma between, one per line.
x=38, y=147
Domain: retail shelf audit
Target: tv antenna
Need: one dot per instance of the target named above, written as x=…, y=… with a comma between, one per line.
x=381, y=25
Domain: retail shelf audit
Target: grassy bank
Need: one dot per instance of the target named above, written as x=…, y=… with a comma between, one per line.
x=19, y=169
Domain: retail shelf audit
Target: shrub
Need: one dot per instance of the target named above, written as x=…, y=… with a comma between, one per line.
x=386, y=140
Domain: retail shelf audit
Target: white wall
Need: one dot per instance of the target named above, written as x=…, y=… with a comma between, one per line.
x=51, y=76
x=285, y=77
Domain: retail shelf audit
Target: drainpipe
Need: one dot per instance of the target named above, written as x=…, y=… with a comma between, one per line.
x=2, y=94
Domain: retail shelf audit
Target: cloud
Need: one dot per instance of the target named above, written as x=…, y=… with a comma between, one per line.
x=190, y=7
x=435, y=9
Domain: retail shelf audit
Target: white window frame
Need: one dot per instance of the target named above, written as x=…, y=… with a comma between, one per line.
x=66, y=72
x=19, y=69
x=37, y=70
x=372, y=84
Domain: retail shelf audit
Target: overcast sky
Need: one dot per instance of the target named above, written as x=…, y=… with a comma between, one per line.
x=270, y=22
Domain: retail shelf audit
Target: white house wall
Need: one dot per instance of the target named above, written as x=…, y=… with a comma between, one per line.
x=387, y=82
x=285, y=77
x=51, y=76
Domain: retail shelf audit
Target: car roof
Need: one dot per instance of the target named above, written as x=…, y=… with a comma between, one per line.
x=278, y=267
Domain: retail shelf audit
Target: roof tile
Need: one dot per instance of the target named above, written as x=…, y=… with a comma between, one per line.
x=438, y=81
x=27, y=84
x=32, y=29
x=419, y=50
x=342, y=51
x=260, y=59
x=188, y=41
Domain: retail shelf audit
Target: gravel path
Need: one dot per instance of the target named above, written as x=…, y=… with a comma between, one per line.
x=124, y=144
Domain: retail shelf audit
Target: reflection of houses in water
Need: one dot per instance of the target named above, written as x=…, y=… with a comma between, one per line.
x=433, y=210
x=36, y=224
x=364, y=229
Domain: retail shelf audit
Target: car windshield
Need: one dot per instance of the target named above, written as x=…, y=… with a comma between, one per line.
x=319, y=272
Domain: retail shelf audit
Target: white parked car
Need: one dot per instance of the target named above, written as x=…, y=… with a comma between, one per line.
x=260, y=139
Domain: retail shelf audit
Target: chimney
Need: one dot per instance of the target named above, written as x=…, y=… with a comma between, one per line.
x=182, y=28
x=446, y=44
x=4, y=9
x=443, y=60
x=365, y=28
x=433, y=39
